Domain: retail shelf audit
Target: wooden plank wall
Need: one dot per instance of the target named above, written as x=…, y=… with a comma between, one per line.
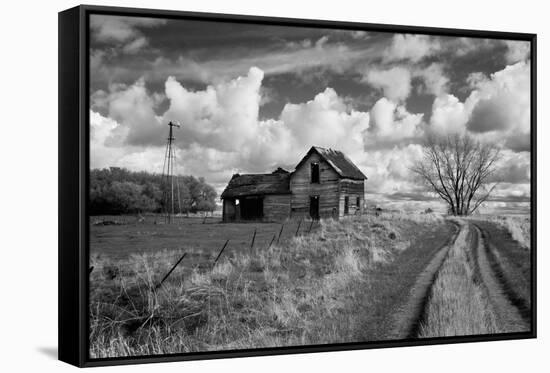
x=327, y=190
x=352, y=189
x=276, y=207
x=229, y=210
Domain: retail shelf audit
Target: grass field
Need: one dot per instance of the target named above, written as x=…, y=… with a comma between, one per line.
x=340, y=281
x=519, y=228
x=195, y=235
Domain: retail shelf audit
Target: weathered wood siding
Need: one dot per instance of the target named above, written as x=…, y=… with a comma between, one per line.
x=276, y=207
x=229, y=212
x=327, y=190
x=352, y=189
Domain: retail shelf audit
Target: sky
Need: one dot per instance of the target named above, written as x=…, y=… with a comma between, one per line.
x=251, y=98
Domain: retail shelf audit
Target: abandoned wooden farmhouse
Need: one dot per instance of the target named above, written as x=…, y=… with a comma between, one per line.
x=324, y=184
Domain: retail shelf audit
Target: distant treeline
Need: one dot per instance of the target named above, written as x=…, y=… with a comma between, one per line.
x=117, y=190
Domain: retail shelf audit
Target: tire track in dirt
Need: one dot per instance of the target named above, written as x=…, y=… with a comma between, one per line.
x=512, y=311
x=409, y=318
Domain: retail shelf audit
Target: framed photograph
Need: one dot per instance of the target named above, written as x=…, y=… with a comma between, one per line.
x=235, y=186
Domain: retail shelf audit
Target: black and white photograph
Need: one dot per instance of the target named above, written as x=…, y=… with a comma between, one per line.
x=262, y=185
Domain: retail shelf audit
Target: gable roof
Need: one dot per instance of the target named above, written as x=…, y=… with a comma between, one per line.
x=338, y=161
x=257, y=184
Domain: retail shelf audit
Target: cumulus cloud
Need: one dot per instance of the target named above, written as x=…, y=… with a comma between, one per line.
x=325, y=120
x=389, y=169
x=411, y=47
x=392, y=123
x=395, y=82
x=434, y=79
x=489, y=114
x=220, y=131
x=517, y=51
x=222, y=116
x=133, y=108
x=502, y=109
x=497, y=109
x=100, y=130
x=220, y=101
x=449, y=115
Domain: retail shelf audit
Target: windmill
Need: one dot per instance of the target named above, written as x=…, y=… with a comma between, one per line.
x=169, y=180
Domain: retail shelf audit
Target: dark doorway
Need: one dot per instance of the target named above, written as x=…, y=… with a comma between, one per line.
x=252, y=208
x=314, y=207
x=346, y=205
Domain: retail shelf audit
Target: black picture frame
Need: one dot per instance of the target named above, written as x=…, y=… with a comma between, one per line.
x=73, y=165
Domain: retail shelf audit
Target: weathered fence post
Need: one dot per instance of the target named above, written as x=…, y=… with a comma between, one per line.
x=253, y=239
x=298, y=229
x=311, y=225
x=170, y=272
x=271, y=243
x=280, y=233
x=220, y=253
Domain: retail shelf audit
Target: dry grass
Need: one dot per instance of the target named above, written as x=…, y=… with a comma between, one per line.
x=306, y=290
x=333, y=285
x=457, y=304
x=518, y=226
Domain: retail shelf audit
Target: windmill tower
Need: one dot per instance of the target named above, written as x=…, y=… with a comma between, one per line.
x=171, y=188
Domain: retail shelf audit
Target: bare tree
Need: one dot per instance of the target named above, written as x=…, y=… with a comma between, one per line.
x=458, y=169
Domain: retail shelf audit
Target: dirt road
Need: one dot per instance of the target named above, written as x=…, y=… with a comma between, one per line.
x=498, y=267
x=504, y=269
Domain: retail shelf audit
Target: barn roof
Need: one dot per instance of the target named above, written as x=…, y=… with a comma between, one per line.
x=257, y=184
x=338, y=161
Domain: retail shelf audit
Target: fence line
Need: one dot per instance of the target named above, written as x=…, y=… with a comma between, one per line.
x=253, y=241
